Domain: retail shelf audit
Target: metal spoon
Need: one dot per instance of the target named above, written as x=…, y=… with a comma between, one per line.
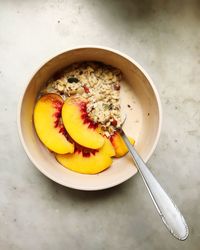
x=168, y=211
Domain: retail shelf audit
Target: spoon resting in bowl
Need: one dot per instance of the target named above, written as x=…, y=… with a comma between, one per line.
x=168, y=211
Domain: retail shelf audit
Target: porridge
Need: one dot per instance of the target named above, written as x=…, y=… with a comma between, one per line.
x=99, y=84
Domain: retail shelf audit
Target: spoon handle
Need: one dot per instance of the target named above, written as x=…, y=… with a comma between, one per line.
x=168, y=211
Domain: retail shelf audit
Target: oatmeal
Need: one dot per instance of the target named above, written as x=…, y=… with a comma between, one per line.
x=99, y=84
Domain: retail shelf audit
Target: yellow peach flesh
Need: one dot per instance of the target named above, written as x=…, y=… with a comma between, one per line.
x=45, y=112
x=92, y=164
x=78, y=129
x=119, y=145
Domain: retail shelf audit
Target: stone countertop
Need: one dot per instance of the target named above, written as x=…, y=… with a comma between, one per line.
x=164, y=37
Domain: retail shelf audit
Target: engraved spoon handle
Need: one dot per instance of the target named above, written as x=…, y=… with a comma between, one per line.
x=166, y=208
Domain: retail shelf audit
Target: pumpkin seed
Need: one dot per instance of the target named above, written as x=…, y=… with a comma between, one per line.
x=72, y=80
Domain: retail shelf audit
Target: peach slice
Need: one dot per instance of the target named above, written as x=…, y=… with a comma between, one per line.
x=78, y=125
x=108, y=147
x=48, y=124
x=88, y=161
x=119, y=145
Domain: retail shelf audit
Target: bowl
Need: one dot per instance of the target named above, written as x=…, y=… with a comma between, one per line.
x=139, y=100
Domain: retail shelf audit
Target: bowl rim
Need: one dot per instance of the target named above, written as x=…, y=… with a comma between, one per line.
x=122, y=54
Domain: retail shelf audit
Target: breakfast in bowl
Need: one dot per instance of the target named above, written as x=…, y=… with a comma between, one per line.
x=54, y=90
x=77, y=116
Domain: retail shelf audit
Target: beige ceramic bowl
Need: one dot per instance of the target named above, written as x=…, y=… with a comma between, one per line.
x=139, y=100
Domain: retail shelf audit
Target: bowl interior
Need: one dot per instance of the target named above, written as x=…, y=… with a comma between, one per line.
x=138, y=99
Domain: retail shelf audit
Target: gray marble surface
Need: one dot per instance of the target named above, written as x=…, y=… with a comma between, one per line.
x=164, y=37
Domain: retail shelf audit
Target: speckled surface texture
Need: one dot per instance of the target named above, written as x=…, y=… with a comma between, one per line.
x=164, y=37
